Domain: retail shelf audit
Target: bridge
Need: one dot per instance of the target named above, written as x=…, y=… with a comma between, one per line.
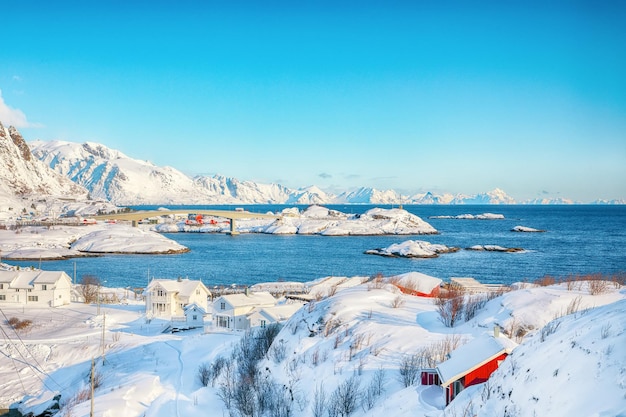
x=136, y=216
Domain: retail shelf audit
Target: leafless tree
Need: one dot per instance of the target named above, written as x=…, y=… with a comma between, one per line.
x=89, y=288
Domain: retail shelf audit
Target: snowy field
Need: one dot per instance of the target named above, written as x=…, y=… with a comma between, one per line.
x=355, y=333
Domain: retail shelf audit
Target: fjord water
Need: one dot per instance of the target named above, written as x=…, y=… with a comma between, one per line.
x=579, y=239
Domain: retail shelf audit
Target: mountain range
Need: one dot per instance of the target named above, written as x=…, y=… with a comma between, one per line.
x=73, y=170
x=111, y=175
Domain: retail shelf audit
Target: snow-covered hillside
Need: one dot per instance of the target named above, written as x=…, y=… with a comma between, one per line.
x=573, y=366
x=348, y=348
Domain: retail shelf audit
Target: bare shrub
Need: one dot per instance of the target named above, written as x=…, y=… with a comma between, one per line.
x=315, y=357
x=278, y=351
x=89, y=289
x=319, y=401
x=545, y=281
x=409, y=369
x=605, y=331
x=344, y=399
x=572, y=282
x=574, y=305
x=397, y=302
x=377, y=282
x=437, y=352
x=332, y=290
x=450, y=305
x=549, y=329
x=204, y=374
x=18, y=324
x=597, y=285
x=473, y=304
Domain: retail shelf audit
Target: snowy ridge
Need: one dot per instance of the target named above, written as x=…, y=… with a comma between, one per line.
x=23, y=175
x=123, y=180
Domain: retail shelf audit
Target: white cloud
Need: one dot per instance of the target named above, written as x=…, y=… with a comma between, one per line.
x=12, y=117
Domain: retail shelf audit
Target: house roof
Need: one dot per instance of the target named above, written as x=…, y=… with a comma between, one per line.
x=251, y=300
x=279, y=313
x=6, y=277
x=469, y=284
x=184, y=287
x=27, y=279
x=194, y=307
x=472, y=356
x=419, y=282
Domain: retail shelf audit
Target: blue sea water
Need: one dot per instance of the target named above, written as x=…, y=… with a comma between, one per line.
x=579, y=239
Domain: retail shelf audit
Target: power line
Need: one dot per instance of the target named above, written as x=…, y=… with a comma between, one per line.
x=32, y=356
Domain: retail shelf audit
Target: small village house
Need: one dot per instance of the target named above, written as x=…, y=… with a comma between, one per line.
x=35, y=288
x=264, y=316
x=231, y=311
x=472, y=363
x=193, y=318
x=168, y=297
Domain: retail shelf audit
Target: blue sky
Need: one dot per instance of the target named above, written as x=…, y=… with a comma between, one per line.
x=413, y=96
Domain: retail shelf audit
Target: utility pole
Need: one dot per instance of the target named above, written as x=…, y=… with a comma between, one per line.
x=104, y=318
x=93, y=366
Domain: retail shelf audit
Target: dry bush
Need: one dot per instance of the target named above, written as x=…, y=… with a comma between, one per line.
x=574, y=305
x=378, y=282
x=572, y=282
x=332, y=290
x=450, y=304
x=397, y=302
x=89, y=289
x=597, y=285
x=545, y=281
x=437, y=352
x=18, y=324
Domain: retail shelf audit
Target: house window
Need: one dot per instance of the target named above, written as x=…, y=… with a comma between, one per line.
x=1, y=286
x=160, y=293
x=222, y=321
x=44, y=287
x=195, y=317
x=263, y=324
x=3, y=297
x=33, y=298
x=223, y=306
x=197, y=292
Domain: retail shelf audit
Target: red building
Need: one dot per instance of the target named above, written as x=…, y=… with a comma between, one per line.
x=472, y=364
x=417, y=284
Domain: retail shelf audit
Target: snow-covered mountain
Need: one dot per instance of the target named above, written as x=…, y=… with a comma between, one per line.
x=27, y=184
x=122, y=180
x=23, y=175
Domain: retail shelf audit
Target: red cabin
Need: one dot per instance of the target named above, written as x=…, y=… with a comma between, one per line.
x=472, y=363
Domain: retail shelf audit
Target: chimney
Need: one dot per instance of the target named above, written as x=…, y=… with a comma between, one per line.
x=496, y=331
x=247, y=292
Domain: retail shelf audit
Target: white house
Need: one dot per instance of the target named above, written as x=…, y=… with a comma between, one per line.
x=231, y=311
x=193, y=318
x=168, y=297
x=264, y=316
x=35, y=287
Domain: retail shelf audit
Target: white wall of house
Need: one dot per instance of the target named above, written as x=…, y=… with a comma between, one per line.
x=167, y=298
x=231, y=311
x=36, y=288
